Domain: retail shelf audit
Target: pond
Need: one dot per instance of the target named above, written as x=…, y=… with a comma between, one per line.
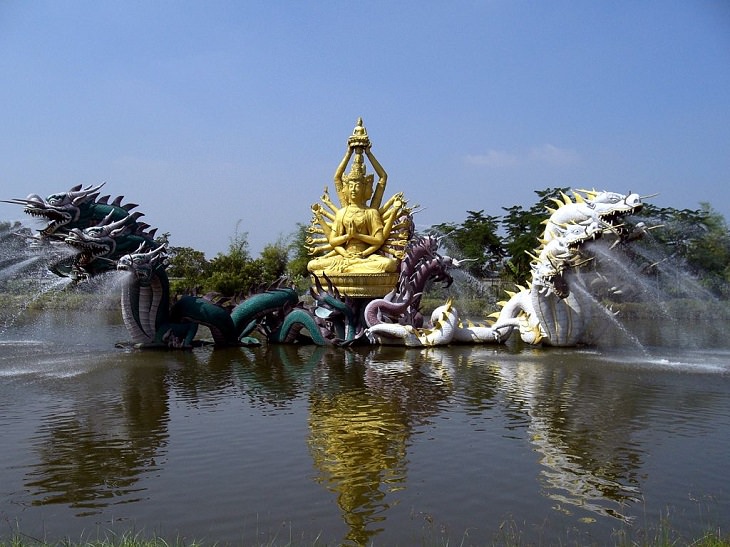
x=382, y=446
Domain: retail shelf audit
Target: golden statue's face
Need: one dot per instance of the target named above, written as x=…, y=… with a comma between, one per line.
x=358, y=190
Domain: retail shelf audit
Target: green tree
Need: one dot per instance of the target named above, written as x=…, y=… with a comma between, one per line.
x=296, y=268
x=188, y=269
x=710, y=253
x=273, y=261
x=698, y=240
x=233, y=272
x=475, y=239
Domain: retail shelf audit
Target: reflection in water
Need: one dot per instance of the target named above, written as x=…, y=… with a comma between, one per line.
x=95, y=452
x=277, y=373
x=379, y=432
x=582, y=429
x=361, y=417
x=474, y=374
x=268, y=376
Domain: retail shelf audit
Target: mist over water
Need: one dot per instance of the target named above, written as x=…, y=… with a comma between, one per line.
x=474, y=297
x=26, y=278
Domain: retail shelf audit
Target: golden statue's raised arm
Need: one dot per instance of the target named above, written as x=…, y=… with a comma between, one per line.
x=382, y=179
x=339, y=177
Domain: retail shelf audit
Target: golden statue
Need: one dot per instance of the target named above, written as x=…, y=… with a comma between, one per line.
x=361, y=236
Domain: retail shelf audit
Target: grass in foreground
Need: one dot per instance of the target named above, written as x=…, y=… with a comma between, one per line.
x=663, y=536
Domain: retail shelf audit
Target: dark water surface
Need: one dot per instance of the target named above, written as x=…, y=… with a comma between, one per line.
x=384, y=446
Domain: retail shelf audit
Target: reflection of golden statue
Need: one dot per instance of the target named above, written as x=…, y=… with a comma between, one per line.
x=358, y=445
x=360, y=430
x=358, y=237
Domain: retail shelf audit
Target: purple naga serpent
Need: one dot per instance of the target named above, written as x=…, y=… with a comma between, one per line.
x=421, y=263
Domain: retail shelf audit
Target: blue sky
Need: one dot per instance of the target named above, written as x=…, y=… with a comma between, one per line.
x=217, y=114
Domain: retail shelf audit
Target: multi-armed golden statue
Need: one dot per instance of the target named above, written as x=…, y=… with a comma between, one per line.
x=359, y=244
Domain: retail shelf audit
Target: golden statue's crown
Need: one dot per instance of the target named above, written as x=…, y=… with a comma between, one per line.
x=358, y=169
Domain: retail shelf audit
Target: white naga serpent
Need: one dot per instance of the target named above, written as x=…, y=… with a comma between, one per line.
x=555, y=308
x=445, y=329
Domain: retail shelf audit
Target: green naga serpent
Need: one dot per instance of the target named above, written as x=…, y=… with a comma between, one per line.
x=108, y=236
x=152, y=322
x=146, y=306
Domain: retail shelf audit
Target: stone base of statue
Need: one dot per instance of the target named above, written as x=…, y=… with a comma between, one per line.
x=364, y=285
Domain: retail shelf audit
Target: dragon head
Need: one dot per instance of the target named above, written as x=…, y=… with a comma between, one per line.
x=575, y=234
x=549, y=277
x=60, y=210
x=422, y=263
x=562, y=253
x=101, y=243
x=441, y=266
x=611, y=207
x=142, y=264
